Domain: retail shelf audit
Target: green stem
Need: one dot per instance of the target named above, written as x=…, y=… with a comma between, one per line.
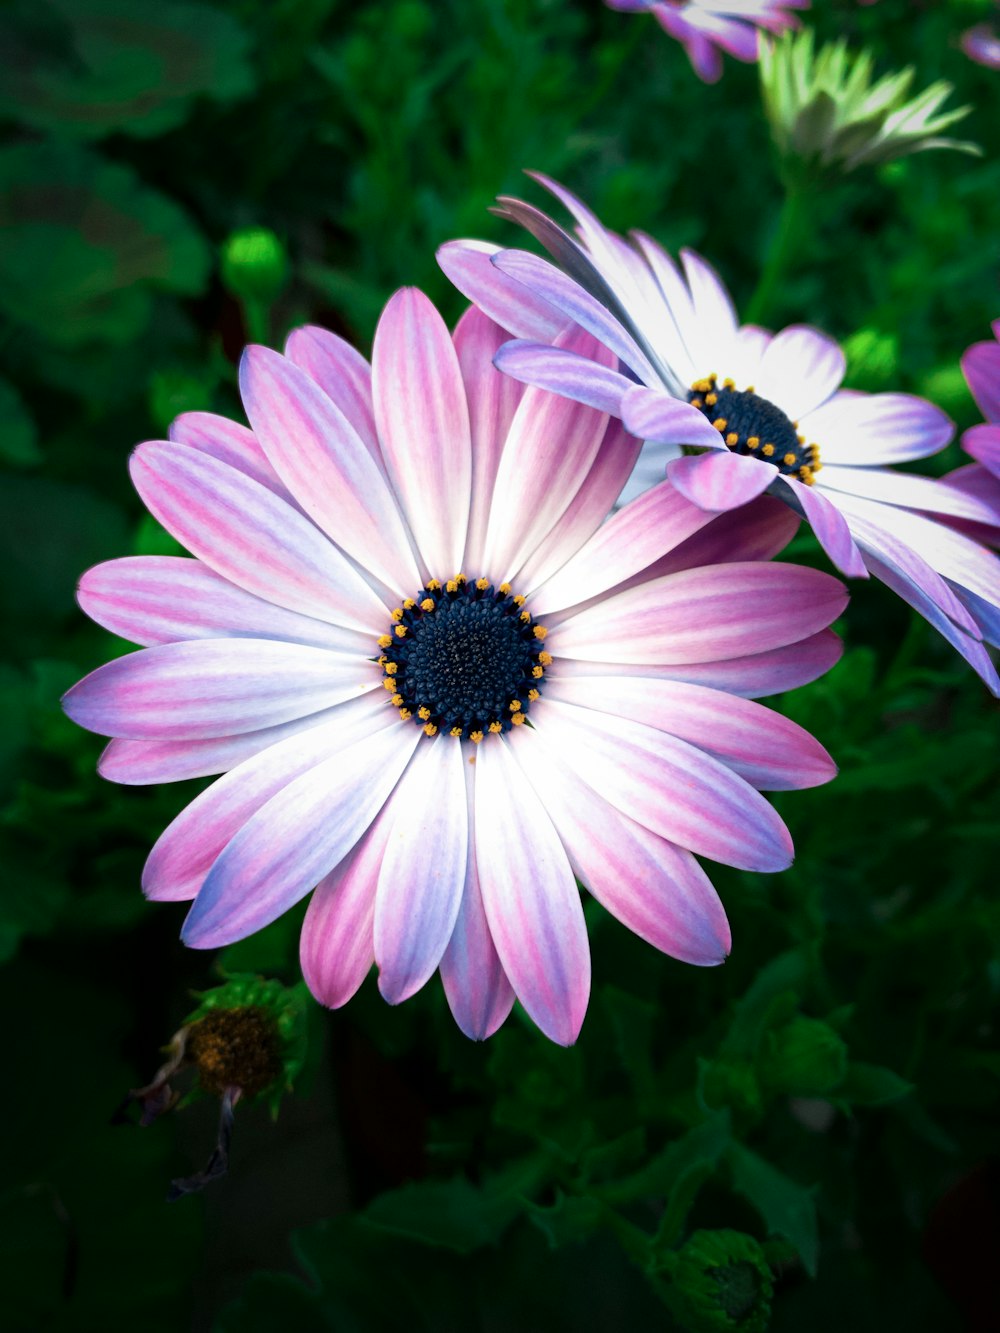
x=784, y=243
x=257, y=316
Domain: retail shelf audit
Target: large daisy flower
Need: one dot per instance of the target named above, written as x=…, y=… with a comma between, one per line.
x=438, y=688
x=733, y=411
x=706, y=28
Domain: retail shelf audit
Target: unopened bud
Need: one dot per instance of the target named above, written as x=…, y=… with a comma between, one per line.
x=254, y=265
x=718, y=1281
x=805, y=1057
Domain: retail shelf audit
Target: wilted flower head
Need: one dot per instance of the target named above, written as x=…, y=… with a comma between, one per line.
x=718, y=1281
x=438, y=685
x=826, y=113
x=706, y=28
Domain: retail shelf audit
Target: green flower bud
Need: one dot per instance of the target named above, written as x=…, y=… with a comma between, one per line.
x=718, y=1281
x=732, y=1083
x=804, y=1058
x=827, y=113
x=254, y=265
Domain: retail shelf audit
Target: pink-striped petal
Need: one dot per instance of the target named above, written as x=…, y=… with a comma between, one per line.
x=342, y=373
x=467, y=264
x=284, y=849
x=231, y=444
x=138, y=763
x=752, y=677
x=981, y=367
x=549, y=452
x=422, y=877
x=800, y=370
x=829, y=525
x=718, y=482
x=771, y=752
x=866, y=429
x=251, y=537
x=152, y=599
x=214, y=687
x=652, y=414
x=325, y=464
x=530, y=896
x=759, y=531
x=336, y=948
x=423, y=424
x=666, y=785
x=657, y=890
x=587, y=511
x=629, y=542
x=479, y=995
x=563, y=372
x=704, y=615
x=493, y=400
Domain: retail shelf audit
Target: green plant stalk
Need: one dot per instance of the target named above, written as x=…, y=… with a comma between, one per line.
x=784, y=245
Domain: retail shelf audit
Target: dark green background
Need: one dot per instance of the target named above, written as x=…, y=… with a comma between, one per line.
x=426, y=1179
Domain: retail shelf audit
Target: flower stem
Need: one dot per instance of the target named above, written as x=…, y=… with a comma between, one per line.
x=784, y=243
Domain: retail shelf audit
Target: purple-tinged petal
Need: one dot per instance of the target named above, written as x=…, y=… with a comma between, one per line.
x=712, y=303
x=230, y=443
x=829, y=525
x=563, y=372
x=981, y=368
x=139, y=763
x=718, y=482
x=866, y=429
x=214, y=687
x=771, y=752
x=759, y=531
x=754, y=677
x=577, y=305
x=800, y=370
x=422, y=877
x=251, y=537
x=479, y=995
x=344, y=376
x=666, y=785
x=905, y=587
x=185, y=850
x=284, y=849
x=152, y=599
x=530, y=896
x=493, y=400
x=907, y=491
x=652, y=414
x=468, y=266
x=981, y=44
x=588, y=509
x=336, y=948
x=423, y=423
x=629, y=542
x=549, y=452
x=983, y=444
x=704, y=615
x=326, y=465
x=657, y=890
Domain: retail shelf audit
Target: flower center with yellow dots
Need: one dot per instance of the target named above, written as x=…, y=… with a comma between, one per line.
x=464, y=658
x=753, y=425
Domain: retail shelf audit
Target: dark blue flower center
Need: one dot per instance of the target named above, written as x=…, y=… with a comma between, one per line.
x=464, y=658
x=753, y=425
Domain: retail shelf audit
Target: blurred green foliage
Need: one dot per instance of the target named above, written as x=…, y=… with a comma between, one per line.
x=832, y=1092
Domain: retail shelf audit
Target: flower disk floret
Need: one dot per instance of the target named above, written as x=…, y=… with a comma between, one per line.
x=322, y=607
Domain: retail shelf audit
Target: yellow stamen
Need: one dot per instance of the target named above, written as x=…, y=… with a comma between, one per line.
x=711, y=399
x=504, y=589
x=391, y=668
x=482, y=584
x=496, y=728
x=753, y=442
x=540, y=632
x=428, y=604
x=475, y=737
x=538, y=672
x=397, y=701
x=515, y=705
x=451, y=585
x=430, y=729
x=519, y=600
x=455, y=731
x=533, y=695
x=767, y=450
x=400, y=631
x=544, y=658
x=384, y=640
x=517, y=719
x=423, y=713
x=405, y=714
x=409, y=604
x=732, y=439
x=525, y=617
x=433, y=585
x=729, y=384
x=720, y=423
x=397, y=613
x=388, y=683
x=788, y=460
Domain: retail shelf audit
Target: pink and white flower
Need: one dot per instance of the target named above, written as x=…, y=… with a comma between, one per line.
x=439, y=685
x=731, y=411
x=981, y=480
x=706, y=28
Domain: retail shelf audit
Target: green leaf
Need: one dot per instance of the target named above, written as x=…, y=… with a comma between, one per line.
x=451, y=1215
x=114, y=65
x=699, y=1147
x=789, y=1209
x=18, y=433
x=571, y=1219
x=85, y=243
x=871, y=1085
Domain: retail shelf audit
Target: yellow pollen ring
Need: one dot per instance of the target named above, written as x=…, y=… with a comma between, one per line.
x=396, y=613
x=384, y=640
x=428, y=604
x=720, y=423
x=475, y=737
x=540, y=632
x=767, y=450
x=430, y=729
x=544, y=658
x=732, y=439
x=482, y=584
x=518, y=718
x=400, y=631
